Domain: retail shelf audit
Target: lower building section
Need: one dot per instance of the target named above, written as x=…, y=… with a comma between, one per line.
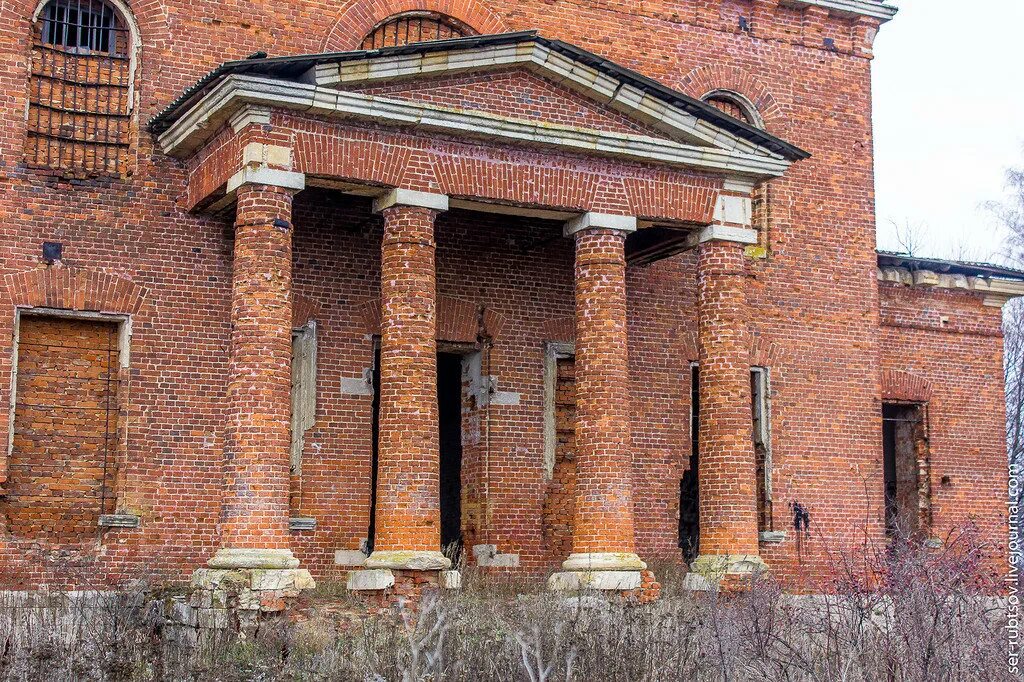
x=528, y=404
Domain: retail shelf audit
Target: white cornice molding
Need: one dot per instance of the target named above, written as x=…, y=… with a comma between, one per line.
x=554, y=66
x=864, y=8
x=204, y=119
x=996, y=291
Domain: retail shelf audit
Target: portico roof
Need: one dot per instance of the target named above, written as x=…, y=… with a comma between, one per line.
x=682, y=131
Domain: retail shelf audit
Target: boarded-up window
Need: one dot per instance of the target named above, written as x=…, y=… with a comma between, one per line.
x=303, y=402
x=560, y=499
x=413, y=27
x=62, y=462
x=80, y=88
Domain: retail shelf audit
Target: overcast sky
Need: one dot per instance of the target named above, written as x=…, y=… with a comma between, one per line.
x=949, y=121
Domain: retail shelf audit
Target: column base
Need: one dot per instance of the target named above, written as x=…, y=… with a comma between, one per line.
x=603, y=561
x=575, y=581
x=632, y=586
x=728, y=567
x=237, y=598
x=408, y=560
x=383, y=589
x=235, y=557
x=378, y=579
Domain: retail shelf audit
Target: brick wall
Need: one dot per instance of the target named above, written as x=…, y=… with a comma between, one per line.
x=814, y=298
x=944, y=348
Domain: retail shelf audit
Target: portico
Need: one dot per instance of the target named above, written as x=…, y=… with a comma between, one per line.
x=615, y=156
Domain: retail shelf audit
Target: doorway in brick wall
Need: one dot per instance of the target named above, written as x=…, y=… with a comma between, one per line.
x=906, y=470
x=449, y=416
x=689, y=500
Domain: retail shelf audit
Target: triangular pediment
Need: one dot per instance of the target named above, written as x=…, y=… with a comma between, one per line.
x=517, y=89
x=514, y=93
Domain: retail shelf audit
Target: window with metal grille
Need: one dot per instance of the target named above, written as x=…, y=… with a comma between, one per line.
x=414, y=27
x=729, y=107
x=80, y=88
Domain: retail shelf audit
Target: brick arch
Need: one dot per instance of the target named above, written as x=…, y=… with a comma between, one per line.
x=708, y=78
x=764, y=352
x=458, y=320
x=304, y=309
x=689, y=349
x=560, y=329
x=359, y=17
x=81, y=289
x=904, y=386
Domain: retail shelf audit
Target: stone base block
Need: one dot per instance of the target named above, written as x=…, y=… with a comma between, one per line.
x=716, y=567
x=594, y=580
x=603, y=561
x=238, y=598
x=638, y=587
x=371, y=579
x=349, y=557
x=408, y=560
x=384, y=588
x=450, y=580
x=235, y=557
x=694, y=582
x=488, y=556
x=728, y=572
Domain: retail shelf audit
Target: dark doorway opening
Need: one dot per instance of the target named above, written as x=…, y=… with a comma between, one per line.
x=905, y=459
x=449, y=415
x=689, y=501
x=374, y=448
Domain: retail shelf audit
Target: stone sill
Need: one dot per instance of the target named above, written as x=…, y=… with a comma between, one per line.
x=771, y=537
x=301, y=523
x=118, y=521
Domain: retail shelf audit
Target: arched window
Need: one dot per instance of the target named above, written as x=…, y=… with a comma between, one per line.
x=736, y=105
x=80, y=88
x=414, y=27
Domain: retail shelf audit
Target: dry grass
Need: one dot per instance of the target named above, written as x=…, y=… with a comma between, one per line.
x=915, y=615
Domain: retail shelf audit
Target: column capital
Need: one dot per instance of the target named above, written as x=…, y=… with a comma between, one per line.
x=410, y=197
x=265, y=175
x=725, y=233
x=604, y=221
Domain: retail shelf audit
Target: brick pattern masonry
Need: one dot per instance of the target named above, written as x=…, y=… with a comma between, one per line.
x=202, y=455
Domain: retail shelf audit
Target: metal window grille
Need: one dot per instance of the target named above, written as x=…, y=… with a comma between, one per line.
x=730, y=107
x=80, y=89
x=412, y=28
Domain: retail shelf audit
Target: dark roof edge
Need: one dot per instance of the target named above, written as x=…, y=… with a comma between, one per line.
x=291, y=67
x=953, y=267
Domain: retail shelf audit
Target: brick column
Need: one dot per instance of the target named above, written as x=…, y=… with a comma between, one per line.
x=255, y=511
x=603, y=548
x=408, y=516
x=254, y=571
x=728, y=473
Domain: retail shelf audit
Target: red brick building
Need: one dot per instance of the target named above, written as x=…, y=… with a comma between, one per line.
x=589, y=285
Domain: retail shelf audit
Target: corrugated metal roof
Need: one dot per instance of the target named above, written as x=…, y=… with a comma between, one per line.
x=953, y=267
x=289, y=68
